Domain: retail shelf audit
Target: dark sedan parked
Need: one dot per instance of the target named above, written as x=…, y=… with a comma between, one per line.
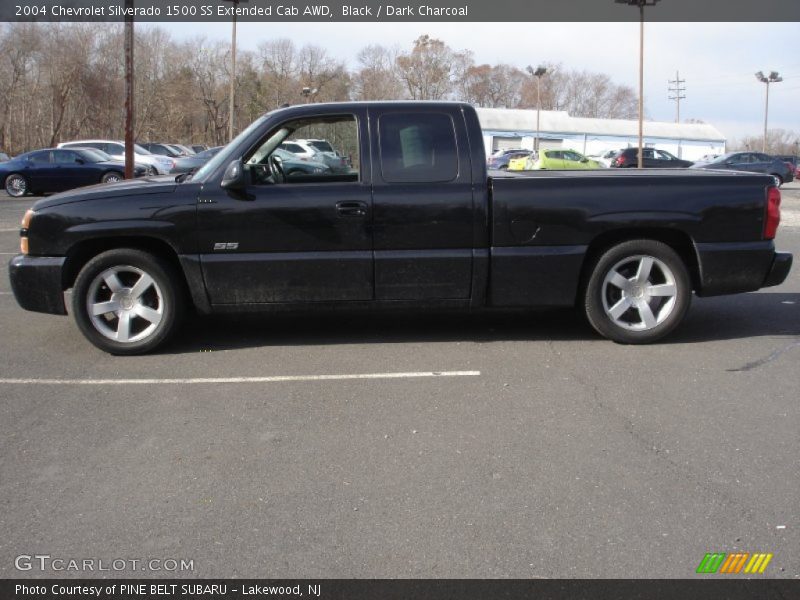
x=187, y=164
x=54, y=170
x=751, y=161
x=651, y=159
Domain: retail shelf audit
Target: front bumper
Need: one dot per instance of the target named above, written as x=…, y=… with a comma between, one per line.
x=779, y=270
x=36, y=283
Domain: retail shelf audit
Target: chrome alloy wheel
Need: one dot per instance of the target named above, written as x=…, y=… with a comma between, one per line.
x=125, y=304
x=639, y=293
x=16, y=186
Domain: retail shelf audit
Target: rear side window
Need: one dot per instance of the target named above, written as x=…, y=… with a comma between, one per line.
x=418, y=148
x=40, y=158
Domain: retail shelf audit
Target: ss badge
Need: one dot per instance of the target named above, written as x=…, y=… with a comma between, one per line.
x=226, y=245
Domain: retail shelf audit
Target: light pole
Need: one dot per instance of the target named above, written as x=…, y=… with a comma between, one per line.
x=232, y=93
x=772, y=78
x=538, y=73
x=641, y=4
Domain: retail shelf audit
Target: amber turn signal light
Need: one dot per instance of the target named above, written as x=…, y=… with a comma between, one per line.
x=26, y=223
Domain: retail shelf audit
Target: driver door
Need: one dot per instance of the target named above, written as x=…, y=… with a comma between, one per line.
x=305, y=238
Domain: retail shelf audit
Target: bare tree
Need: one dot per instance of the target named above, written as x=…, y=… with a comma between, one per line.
x=428, y=70
x=48, y=95
x=779, y=141
x=497, y=86
x=377, y=77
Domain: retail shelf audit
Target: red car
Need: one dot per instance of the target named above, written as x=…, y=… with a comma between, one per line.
x=793, y=163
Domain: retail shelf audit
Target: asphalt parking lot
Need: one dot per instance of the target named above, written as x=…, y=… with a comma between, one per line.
x=553, y=454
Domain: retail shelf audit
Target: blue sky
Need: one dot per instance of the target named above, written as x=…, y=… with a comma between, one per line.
x=717, y=60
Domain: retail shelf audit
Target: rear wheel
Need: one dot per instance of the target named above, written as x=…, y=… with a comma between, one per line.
x=779, y=178
x=16, y=185
x=638, y=292
x=126, y=301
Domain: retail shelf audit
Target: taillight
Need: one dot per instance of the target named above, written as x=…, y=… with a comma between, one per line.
x=619, y=161
x=773, y=217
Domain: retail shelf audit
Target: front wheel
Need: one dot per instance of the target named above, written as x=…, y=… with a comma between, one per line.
x=16, y=185
x=126, y=301
x=638, y=292
x=111, y=177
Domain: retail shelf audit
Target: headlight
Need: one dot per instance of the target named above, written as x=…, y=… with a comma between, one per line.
x=26, y=223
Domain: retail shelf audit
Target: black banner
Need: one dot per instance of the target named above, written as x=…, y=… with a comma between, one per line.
x=413, y=589
x=416, y=10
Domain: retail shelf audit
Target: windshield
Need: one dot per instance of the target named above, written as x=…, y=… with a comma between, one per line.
x=721, y=159
x=225, y=155
x=139, y=150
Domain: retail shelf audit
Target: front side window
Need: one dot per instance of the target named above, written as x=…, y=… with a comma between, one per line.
x=663, y=155
x=276, y=161
x=65, y=157
x=418, y=148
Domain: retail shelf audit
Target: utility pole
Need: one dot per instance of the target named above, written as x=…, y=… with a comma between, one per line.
x=232, y=90
x=678, y=90
x=128, y=42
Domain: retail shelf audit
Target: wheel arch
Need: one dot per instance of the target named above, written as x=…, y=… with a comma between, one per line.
x=82, y=252
x=679, y=241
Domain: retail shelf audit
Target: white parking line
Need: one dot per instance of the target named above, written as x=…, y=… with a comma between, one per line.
x=273, y=379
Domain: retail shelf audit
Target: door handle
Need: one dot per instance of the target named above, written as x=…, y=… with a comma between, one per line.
x=352, y=209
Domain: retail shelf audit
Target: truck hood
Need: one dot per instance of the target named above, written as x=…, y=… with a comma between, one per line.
x=162, y=184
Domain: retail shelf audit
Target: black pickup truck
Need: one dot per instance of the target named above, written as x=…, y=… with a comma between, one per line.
x=411, y=220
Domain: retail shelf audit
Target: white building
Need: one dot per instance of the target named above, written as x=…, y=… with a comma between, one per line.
x=505, y=128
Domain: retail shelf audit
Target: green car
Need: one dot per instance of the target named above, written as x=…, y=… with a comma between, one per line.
x=563, y=159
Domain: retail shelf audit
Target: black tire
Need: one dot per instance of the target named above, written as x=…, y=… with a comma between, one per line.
x=16, y=185
x=631, y=309
x=112, y=177
x=779, y=178
x=161, y=303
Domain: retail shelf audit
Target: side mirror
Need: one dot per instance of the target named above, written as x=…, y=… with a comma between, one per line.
x=234, y=178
